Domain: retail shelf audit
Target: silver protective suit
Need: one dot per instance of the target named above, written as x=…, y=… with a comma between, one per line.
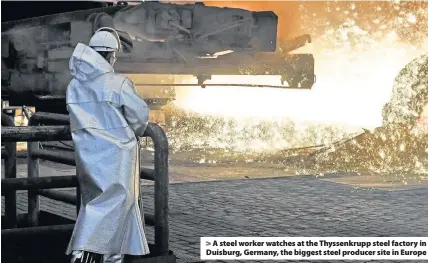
x=106, y=117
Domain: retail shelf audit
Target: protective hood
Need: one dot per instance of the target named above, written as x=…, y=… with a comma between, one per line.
x=86, y=63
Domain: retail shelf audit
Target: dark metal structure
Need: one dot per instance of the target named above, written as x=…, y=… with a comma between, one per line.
x=8, y=153
x=159, y=38
x=32, y=225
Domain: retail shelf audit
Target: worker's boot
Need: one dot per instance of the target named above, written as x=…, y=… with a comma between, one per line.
x=112, y=259
x=85, y=257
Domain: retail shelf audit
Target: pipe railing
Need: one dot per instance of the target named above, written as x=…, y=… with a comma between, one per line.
x=34, y=183
x=37, y=186
x=9, y=156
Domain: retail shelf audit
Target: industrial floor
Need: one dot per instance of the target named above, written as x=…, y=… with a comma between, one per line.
x=282, y=206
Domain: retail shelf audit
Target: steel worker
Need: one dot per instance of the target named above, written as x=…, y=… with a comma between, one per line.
x=106, y=118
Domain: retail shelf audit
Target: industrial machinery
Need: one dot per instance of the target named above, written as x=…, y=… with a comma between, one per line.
x=159, y=40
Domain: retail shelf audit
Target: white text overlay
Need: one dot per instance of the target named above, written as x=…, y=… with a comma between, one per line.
x=320, y=248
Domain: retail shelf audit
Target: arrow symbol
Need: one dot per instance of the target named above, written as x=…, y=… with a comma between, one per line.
x=207, y=243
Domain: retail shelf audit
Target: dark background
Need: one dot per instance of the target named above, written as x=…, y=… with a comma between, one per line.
x=15, y=10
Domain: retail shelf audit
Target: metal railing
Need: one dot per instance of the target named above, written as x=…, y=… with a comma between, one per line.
x=38, y=186
x=34, y=154
x=9, y=156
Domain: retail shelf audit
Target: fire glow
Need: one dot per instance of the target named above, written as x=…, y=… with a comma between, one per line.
x=359, y=49
x=355, y=66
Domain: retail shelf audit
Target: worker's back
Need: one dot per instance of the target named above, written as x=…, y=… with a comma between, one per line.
x=106, y=117
x=94, y=94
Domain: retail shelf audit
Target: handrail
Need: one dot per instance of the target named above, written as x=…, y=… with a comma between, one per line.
x=34, y=183
x=9, y=156
x=34, y=134
x=160, y=143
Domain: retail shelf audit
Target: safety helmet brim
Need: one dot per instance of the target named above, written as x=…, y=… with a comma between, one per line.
x=105, y=39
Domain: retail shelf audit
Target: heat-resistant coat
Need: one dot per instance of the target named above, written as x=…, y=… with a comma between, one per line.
x=106, y=115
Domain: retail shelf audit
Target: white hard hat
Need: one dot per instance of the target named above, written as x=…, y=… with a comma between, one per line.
x=105, y=39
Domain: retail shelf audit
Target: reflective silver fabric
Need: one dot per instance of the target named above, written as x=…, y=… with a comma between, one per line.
x=113, y=259
x=88, y=257
x=106, y=115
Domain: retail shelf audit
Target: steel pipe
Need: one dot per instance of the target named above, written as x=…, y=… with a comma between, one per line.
x=160, y=141
x=9, y=156
x=149, y=219
x=58, y=145
x=33, y=203
x=57, y=156
x=147, y=174
x=58, y=196
x=54, y=133
x=4, y=154
x=36, y=232
x=36, y=183
x=35, y=133
x=50, y=118
x=34, y=153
